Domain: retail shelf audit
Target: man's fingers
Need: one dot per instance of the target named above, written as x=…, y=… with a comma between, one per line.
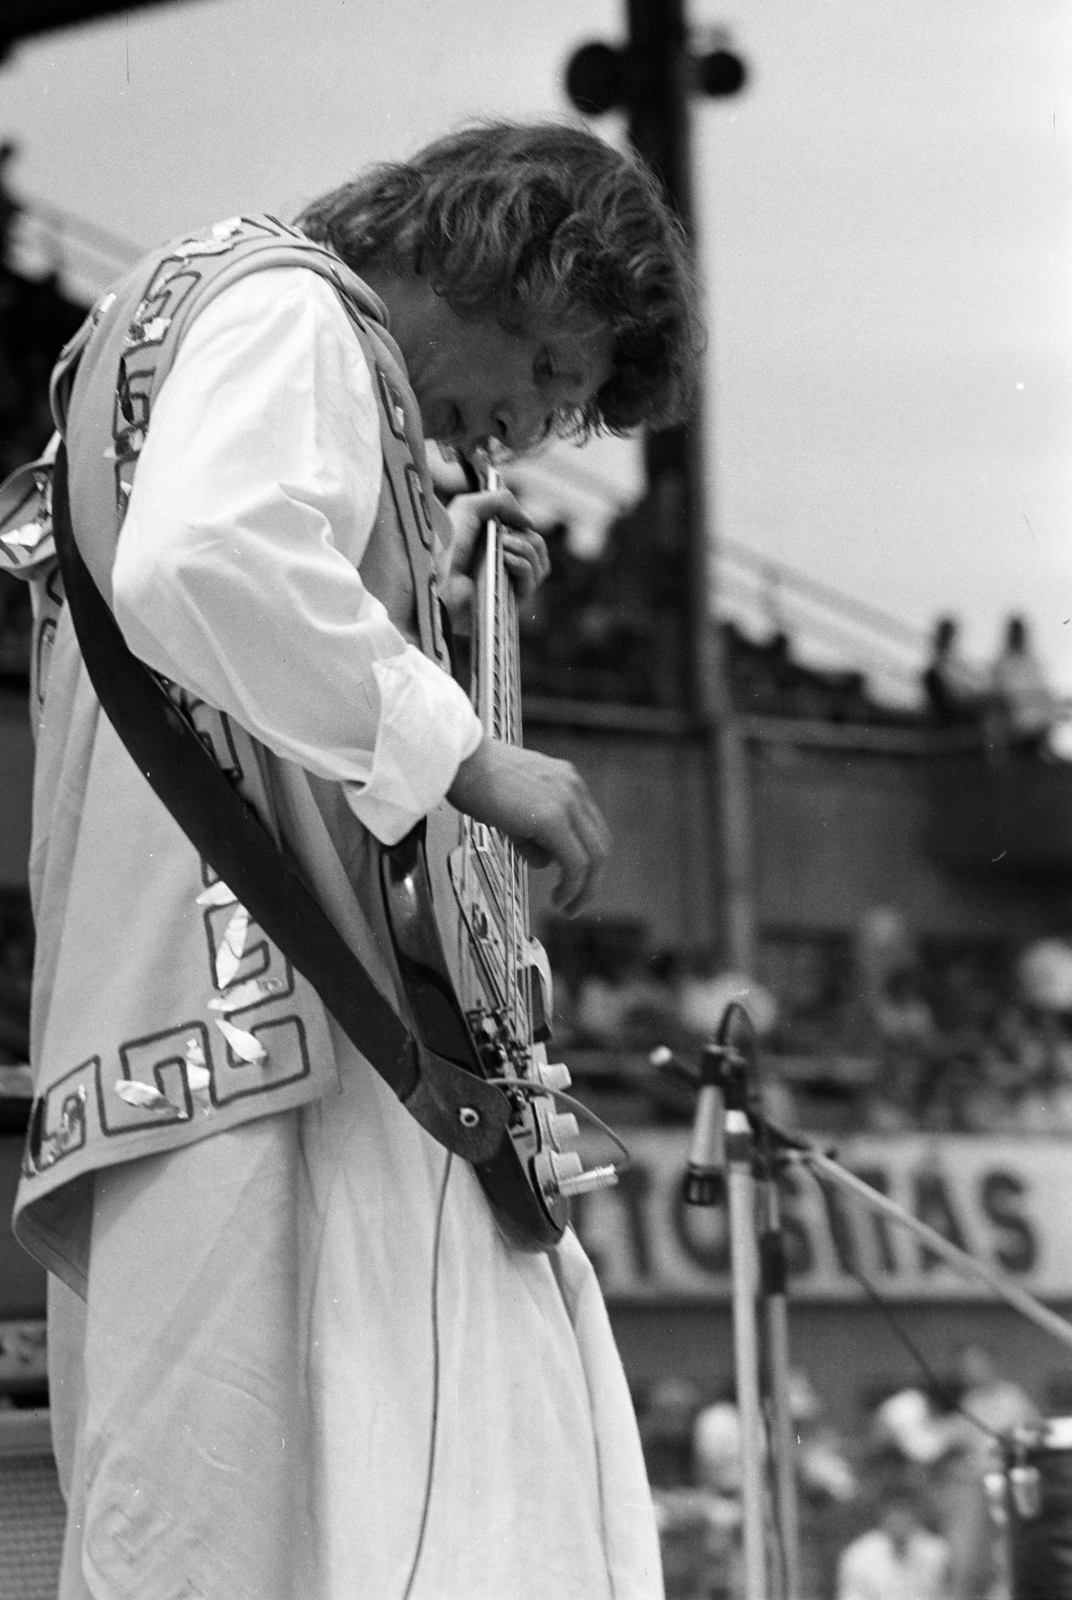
x=573, y=892
x=545, y=807
x=469, y=513
x=527, y=560
x=503, y=506
x=580, y=848
x=577, y=882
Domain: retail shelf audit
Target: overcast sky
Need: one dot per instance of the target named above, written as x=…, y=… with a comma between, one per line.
x=886, y=231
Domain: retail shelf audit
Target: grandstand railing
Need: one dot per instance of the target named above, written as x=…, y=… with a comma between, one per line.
x=49, y=240
x=826, y=625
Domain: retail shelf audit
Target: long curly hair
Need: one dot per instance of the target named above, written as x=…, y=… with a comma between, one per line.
x=538, y=225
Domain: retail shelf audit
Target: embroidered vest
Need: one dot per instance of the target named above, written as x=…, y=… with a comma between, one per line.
x=161, y=1014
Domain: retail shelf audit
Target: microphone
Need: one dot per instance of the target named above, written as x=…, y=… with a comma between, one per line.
x=725, y=1095
x=705, y=1178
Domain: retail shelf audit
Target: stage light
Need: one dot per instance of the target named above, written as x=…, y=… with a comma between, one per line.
x=721, y=73
x=596, y=79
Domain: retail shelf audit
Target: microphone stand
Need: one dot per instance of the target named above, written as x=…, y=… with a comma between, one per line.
x=773, y=1290
x=724, y=1076
x=800, y=1150
x=753, y=1151
x=741, y=1205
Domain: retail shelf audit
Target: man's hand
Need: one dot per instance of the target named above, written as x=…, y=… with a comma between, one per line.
x=545, y=807
x=524, y=550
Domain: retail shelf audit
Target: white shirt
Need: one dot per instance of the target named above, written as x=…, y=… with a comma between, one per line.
x=871, y=1569
x=236, y=571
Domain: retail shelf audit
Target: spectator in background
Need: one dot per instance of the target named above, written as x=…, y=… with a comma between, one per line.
x=898, y=1559
x=1044, y=975
x=716, y=1448
x=909, y=1428
x=897, y=1016
x=952, y=692
x=823, y=1464
x=1025, y=705
x=705, y=990
x=665, y=1417
x=992, y=1404
x=823, y=1468
x=988, y=1406
x=631, y=1006
x=1043, y=1019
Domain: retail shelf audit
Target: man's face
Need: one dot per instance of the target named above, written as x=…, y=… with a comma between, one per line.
x=475, y=382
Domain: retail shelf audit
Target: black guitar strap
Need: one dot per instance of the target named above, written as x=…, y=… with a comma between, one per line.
x=227, y=833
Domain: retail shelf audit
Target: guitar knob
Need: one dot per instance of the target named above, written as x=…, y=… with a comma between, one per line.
x=562, y=1128
x=554, y=1075
x=586, y=1182
x=567, y=1167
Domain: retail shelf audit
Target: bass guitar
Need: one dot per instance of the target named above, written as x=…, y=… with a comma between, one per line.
x=478, y=984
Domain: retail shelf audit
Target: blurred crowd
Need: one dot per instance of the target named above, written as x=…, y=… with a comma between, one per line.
x=902, y=1506
x=1012, y=704
x=901, y=1032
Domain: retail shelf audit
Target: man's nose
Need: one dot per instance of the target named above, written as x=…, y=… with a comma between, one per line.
x=520, y=424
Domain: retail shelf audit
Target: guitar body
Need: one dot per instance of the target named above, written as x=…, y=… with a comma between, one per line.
x=450, y=960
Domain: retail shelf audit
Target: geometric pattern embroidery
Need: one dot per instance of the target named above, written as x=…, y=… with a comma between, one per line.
x=287, y=1060
x=419, y=505
x=171, y=1076
x=394, y=410
x=259, y=959
x=157, y=1061
x=58, y=1119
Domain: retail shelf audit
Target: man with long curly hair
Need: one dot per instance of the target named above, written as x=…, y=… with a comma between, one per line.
x=292, y=1357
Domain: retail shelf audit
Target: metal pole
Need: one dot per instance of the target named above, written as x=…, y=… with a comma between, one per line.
x=776, y=1320
x=740, y=1187
x=661, y=75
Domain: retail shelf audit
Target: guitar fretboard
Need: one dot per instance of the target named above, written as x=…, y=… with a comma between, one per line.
x=496, y=692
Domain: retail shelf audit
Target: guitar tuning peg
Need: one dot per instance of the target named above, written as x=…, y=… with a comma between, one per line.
x=562, y=1128
x=566, y=1167
x=554, y=1075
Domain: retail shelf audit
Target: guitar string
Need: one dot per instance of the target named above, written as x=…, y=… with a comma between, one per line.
x=498, y=696
x=513, y=653
x=506, y=664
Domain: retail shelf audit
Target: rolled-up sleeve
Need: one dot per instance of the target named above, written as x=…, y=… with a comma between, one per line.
x=236, y=571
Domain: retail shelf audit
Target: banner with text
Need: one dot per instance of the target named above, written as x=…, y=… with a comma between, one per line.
x=1007, y=1201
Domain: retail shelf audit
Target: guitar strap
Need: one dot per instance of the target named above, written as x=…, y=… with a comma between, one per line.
x=458, y=1109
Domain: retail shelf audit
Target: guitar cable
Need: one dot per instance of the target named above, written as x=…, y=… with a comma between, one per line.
x=530, y=1087
x=437, y=1238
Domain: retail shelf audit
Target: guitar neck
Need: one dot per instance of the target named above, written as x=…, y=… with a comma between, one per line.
x=496, y=694
x=496, y=663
